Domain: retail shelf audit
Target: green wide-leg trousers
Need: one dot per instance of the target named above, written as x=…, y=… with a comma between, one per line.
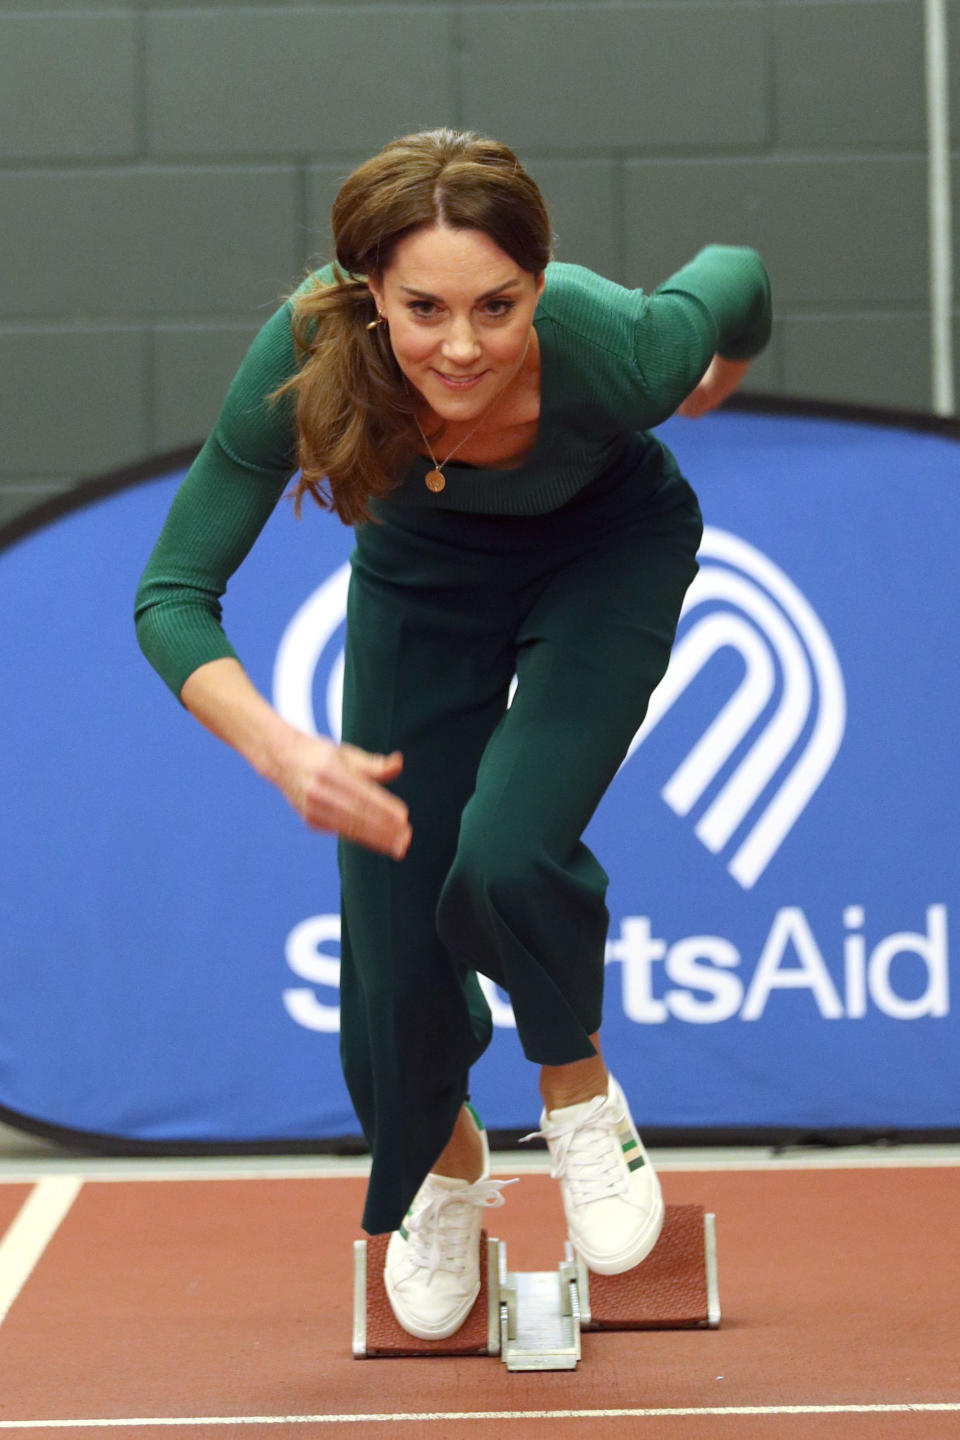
x=444, y=608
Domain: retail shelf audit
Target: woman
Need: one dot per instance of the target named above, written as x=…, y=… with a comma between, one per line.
x=481, y=416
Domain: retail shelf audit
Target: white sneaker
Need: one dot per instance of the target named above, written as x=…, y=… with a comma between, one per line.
x=432, y=1269
x=611, y=1194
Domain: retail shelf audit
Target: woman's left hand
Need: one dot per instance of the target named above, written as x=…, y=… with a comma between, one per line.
x=721, y=379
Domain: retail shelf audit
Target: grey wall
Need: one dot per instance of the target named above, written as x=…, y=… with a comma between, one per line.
x=166, y=172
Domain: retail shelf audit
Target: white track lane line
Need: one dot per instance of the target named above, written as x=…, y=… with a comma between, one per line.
x=36, y=1223
x=318, y=1167
x=457, y=1415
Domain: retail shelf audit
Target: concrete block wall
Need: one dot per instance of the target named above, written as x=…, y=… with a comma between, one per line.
x=166, y=172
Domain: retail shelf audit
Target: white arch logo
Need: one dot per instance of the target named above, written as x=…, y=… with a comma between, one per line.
x=299, y=653
x=772, y=625
x=757, y=611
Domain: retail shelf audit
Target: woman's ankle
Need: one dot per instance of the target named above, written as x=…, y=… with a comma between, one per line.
x=576, y=1083
x=464, y=1156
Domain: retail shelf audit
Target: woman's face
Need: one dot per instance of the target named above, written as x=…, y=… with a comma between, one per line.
x=459, y=311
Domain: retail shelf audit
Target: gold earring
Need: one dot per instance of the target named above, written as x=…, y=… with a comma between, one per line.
x=379, y=320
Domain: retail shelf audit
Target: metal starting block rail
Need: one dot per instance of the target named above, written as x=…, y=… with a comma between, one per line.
x=533, y=1319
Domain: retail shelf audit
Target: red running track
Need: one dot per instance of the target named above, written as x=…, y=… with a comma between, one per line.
x=231, y=1299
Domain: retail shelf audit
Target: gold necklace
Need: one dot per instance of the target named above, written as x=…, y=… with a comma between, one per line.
x=434, y=479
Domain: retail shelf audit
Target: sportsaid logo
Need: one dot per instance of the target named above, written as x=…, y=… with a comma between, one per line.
x=755, y=769
x=698, y=979
x=754, y=609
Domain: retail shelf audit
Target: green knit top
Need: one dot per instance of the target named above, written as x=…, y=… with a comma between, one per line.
x=614, y=363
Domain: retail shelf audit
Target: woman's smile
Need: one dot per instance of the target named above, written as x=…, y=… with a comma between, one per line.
x=460, y=382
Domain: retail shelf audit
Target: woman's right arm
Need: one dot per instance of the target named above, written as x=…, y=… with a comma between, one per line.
x=332, y=787
x=217, y=514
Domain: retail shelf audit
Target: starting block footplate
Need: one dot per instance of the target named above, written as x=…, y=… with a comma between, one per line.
x=376, y=1332
x=675, y=1288
x=534, y=1319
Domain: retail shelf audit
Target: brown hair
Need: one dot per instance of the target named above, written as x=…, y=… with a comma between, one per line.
x=356, y=431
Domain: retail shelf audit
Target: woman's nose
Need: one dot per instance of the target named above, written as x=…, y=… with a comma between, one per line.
x=460, y=342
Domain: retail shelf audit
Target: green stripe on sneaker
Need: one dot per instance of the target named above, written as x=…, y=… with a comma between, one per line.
x=476, y=1118
x=629, y=1145
x=403, y=1232
x=635, y=1164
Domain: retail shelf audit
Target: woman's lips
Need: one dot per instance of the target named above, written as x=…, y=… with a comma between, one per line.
x=459, y=382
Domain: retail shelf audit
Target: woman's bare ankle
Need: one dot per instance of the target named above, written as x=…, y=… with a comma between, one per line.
x=574, y=1084
x=463, y=1156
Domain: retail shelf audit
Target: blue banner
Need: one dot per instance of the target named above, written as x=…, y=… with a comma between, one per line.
x=781, y=839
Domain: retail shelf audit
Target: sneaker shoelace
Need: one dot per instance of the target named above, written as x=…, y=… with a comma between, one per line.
x=587, y=1153
x=439, y=1232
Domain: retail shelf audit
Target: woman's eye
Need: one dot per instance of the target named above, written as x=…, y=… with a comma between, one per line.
x=430, y=310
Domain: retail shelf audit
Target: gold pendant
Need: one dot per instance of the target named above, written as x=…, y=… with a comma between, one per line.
x=434, y=481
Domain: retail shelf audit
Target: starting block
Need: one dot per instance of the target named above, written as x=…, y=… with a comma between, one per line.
x=533, y=1319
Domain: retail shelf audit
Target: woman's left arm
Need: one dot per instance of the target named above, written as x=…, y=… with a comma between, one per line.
x=699, y=330
x=720, y=381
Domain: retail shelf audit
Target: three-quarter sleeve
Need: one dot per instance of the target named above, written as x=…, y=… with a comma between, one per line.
x=636, y=355
x=717, y=304
x=731, y=283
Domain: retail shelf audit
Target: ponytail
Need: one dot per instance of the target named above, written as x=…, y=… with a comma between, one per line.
x=354, y=411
